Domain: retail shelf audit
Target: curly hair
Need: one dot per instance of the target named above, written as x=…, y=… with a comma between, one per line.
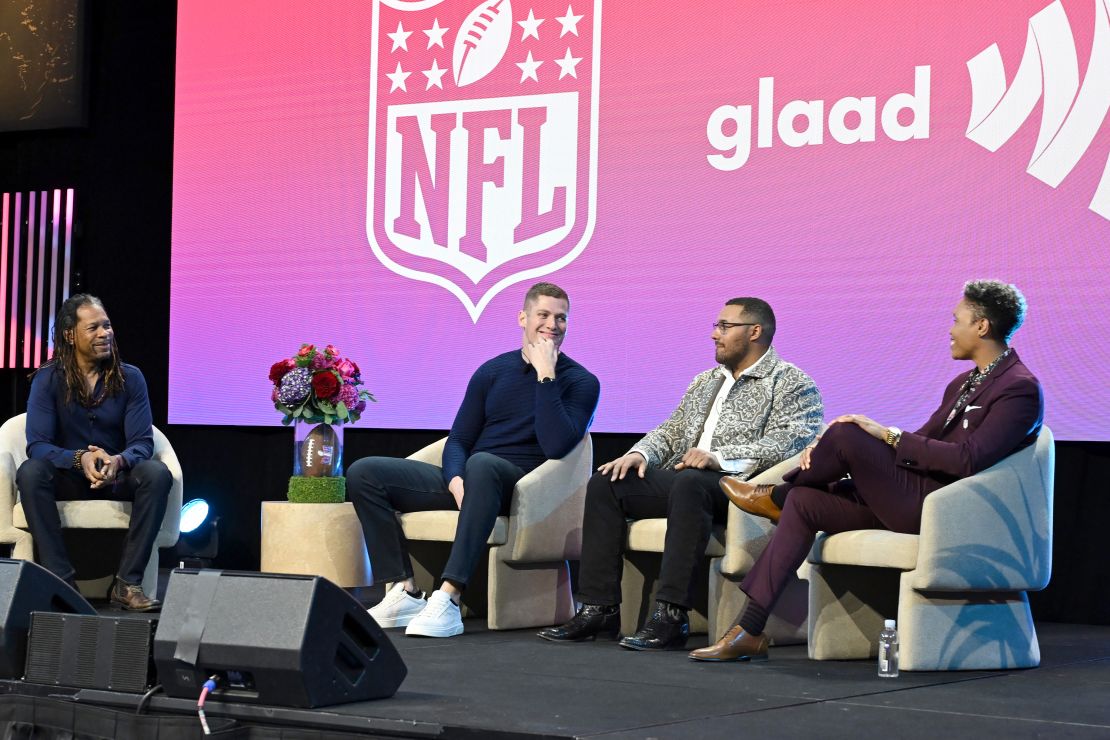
x=1001, y=304
x=65, y=357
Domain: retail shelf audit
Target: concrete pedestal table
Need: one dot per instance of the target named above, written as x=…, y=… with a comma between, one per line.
x=315, y=539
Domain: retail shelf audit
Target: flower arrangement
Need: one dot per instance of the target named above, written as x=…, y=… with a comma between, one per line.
x=318, y=387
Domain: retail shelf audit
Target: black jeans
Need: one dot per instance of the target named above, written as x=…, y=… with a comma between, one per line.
x=379, y=487
x=691, y=500
x=146, y=486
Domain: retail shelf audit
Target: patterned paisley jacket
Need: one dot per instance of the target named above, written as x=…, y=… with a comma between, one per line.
x=768, y=416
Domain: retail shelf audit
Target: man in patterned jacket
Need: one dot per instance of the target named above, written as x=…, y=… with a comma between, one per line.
x=743, y=416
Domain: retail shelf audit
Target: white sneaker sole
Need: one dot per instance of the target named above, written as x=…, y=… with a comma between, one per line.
x=451, y=631
x=392, y=622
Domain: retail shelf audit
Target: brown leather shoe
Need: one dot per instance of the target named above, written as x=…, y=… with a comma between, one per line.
x=131, y=597
x=735, y=645
x=751, y=498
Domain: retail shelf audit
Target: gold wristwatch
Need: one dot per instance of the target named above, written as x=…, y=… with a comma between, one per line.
x=893, y=436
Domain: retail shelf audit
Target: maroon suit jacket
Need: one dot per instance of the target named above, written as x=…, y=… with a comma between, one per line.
x=1002, y=416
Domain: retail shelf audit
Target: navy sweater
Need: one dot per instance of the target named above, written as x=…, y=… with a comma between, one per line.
x=507, y=412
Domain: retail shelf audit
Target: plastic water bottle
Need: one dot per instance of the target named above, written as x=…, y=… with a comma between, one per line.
x=888, y=650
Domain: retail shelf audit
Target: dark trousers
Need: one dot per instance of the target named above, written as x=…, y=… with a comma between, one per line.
x=146, y=486
x=379, y=487
x=691, y=500
x=879, y=495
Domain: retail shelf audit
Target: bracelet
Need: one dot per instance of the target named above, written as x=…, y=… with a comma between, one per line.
x=77, y=455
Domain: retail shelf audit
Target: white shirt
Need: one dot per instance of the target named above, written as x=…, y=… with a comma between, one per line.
x=739, y=465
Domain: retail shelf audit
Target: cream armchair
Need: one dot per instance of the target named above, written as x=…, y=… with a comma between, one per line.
x=958, y=590
x=528, y=578
x=85, y=514
x=746, y=536
x=730, y=553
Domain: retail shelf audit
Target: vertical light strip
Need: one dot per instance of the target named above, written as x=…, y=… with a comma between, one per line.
x=29, y=276
x=5, y=224
x=13, y=333
x=40, y=297
x=55, y=224
x=69, y=242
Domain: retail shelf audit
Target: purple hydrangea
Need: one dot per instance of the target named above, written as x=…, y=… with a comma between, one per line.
x=348, y=394
x=295, y=386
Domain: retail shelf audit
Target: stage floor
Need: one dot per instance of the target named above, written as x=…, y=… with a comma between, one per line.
x=512, y=684
x=515, y=681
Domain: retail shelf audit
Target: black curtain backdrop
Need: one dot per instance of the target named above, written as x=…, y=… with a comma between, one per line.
x=120, y=166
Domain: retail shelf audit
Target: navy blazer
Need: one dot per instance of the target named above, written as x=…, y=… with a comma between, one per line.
x=1002, y=416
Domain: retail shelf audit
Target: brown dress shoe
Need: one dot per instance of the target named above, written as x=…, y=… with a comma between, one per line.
x=131, y=597
x=751, y=498
x=735, y=645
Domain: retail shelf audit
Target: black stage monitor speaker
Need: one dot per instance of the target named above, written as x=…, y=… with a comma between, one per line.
x=91, y=652
x=282, y=640
x=24, y=588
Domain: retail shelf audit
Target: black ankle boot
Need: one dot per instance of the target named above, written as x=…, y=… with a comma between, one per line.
x=667, y=628
x=590, y=621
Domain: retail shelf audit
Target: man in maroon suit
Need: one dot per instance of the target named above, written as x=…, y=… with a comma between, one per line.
x=987, y=414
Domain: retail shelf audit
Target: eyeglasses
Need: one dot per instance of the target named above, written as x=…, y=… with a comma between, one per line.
x=723, y=326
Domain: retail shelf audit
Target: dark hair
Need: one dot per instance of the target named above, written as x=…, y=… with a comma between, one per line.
x=66, y=358
x=551, y=290
x=1001, y=304
x=760, y=312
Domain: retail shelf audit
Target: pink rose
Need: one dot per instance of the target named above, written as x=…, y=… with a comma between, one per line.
x=346, y=368
x=306, y=350
x=331, y=351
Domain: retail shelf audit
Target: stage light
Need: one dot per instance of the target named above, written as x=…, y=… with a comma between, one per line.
x=199, y=541
x=193, y=514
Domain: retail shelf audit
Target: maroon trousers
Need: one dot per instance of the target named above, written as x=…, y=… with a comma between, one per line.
x=879, y=495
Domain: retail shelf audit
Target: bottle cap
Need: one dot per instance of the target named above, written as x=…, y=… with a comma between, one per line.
x=889, y=624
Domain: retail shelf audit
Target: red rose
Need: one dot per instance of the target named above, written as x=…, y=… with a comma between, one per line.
x=325, y=385
x=279, y=369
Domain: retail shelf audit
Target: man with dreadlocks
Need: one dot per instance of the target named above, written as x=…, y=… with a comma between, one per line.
x=89, y=435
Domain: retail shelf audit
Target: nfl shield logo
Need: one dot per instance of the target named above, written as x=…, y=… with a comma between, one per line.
x=483, y=140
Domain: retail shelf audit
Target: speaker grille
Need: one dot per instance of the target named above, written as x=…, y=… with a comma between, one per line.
x=84, y=669
x=132, y=640
x=90, y=652
x=44, y=665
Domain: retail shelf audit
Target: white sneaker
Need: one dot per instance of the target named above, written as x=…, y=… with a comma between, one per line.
x=398, y=608
x=440, y=618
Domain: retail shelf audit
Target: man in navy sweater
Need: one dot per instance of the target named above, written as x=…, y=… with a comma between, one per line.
x=521, y=408
x=89, y=435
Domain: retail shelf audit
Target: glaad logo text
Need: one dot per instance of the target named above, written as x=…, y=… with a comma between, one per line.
x=850, y=120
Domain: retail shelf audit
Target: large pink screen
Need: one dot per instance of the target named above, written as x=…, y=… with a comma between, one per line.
x=390, y=176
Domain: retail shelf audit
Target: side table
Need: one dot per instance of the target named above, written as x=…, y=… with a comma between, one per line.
x=315, y=539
